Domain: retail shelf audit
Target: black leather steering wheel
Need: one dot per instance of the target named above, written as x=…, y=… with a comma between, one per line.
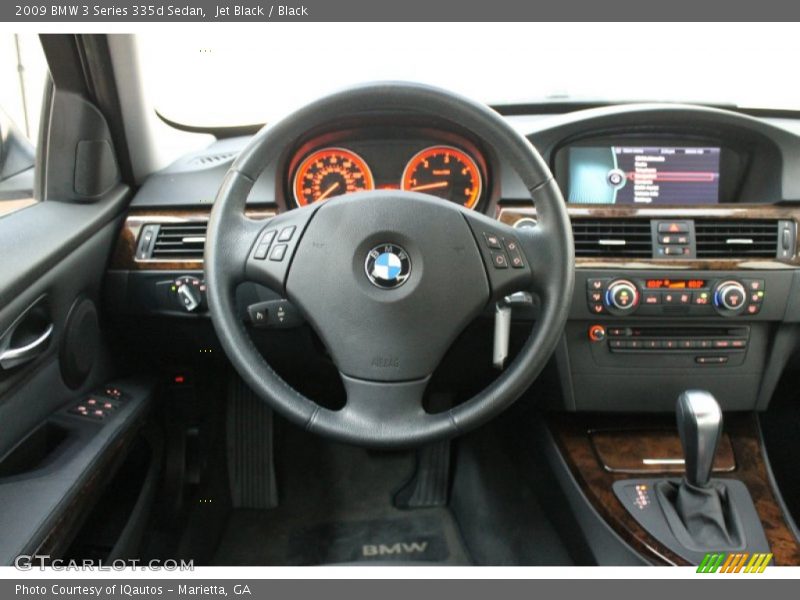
x=388, y=279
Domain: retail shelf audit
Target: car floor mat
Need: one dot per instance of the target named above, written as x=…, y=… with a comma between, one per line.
x=420, y=536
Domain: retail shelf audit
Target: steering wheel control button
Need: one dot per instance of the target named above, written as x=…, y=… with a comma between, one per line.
x=262, y=247
x=499, y=260
x=274, y=314
x=278, y=252
x=387, y=266
x=492, y=241
x=514, y=254
x=286, y=233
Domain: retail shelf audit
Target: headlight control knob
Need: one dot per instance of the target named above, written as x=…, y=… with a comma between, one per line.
x=190, y=293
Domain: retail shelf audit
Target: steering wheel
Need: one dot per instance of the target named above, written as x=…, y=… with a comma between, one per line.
x=388, y=279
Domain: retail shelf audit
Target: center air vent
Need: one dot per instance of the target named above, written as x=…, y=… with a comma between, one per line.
x=612, y=238
x=180, y=241
x=213, y=159
x=731, y=239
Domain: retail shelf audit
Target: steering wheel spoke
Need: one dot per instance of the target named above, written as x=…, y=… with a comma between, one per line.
x=385, y=413
x=384, y=402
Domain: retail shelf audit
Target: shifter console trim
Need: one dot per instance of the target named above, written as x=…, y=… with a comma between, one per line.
x=642, y=500
x=571, y=434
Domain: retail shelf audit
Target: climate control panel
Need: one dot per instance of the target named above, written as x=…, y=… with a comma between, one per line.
x=623, y=296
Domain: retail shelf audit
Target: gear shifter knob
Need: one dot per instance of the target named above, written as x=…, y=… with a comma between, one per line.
x=699, y=425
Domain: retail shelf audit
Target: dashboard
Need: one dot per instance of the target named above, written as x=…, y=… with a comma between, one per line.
x=684, y=220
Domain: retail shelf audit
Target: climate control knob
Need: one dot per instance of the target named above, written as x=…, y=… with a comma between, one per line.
x=730, y=296
x=622, y=296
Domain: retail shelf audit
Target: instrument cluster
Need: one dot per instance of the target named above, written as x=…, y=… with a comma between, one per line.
x=449, y=170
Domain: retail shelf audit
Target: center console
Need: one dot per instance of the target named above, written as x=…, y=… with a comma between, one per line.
x=637, y=338
x=670, y=298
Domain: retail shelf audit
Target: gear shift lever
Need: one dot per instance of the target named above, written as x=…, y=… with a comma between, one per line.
x=697, y=514
x=699, y=425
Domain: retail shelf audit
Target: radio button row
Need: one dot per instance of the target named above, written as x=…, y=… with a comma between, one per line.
x=672, y=344
x=618, y=331
x=711, y=360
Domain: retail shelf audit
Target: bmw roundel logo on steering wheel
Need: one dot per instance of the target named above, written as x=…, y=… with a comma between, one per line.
x=388, y=266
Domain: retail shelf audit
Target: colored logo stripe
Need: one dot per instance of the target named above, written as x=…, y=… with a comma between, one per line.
x=711, y=563
x=734, y=563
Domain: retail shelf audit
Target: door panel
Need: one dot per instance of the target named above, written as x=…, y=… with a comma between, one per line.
x=30, y=392
x=54, y=461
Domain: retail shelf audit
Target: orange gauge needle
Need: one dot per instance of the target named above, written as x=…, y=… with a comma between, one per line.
x=328, y=192
x=429, y=186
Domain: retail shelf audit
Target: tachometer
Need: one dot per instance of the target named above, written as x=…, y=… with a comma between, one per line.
x=330, y=172
x=445, y=172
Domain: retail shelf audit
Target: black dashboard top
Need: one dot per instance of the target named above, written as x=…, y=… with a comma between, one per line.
x=760, y=162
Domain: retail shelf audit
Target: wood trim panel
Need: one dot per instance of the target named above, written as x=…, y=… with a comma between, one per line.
x=510, y=216
x=125, y=250
x=124, y=256
x=572, y=434
x=646, y=451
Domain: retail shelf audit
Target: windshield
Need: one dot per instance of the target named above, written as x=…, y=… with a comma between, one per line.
x=257, y=74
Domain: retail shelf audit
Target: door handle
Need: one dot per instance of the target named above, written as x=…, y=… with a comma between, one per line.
x=12, y=357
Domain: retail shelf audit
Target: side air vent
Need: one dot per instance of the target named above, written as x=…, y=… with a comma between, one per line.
x=179, y=241
x=732, y=239
x=612, y=238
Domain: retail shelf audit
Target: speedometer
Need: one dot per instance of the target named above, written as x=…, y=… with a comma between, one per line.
x=330, y=172
x=445, y=172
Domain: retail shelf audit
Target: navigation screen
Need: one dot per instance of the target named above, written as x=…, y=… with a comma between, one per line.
x=643, y=175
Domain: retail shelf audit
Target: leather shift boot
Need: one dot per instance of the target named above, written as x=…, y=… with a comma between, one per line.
x=700, y=517
x=702, y=511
